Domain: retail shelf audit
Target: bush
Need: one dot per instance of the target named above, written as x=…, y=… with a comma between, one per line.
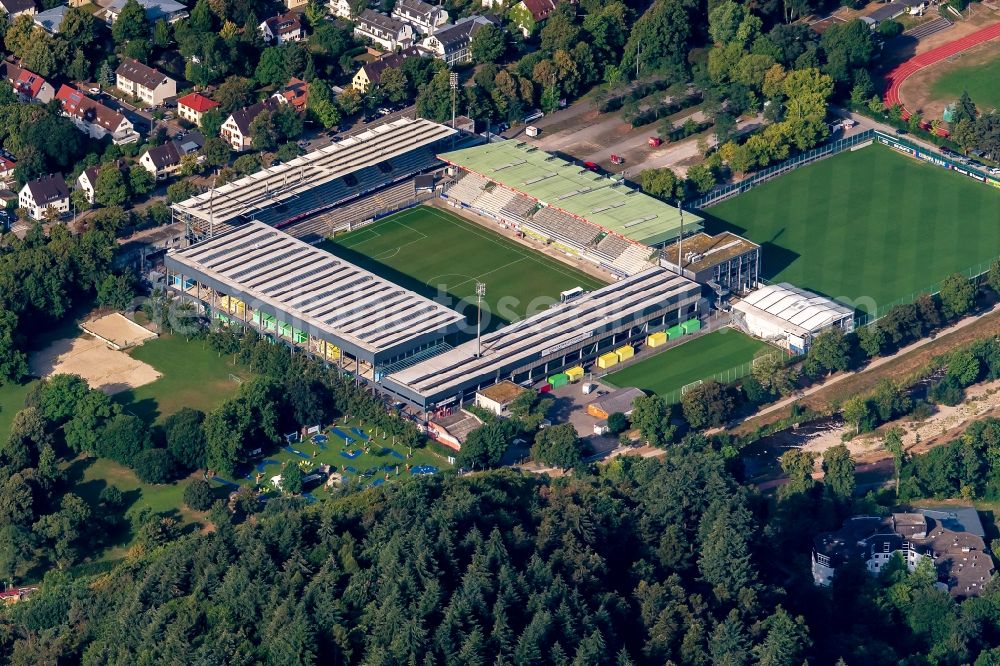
x=154, y=466
x=946, y=392
x=198, y=495
x=617, y=423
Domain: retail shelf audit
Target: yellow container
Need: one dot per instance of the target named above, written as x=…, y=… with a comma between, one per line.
x=605, y=361
x=332, y=352
x=575, y=373
x=624, y=353
x=224, y=303
x=657, y=339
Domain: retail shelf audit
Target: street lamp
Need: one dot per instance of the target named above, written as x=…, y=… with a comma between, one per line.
x=480, y=293
x=453, y=83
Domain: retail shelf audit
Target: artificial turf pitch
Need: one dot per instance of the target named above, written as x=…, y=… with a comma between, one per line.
x=434, y=252
x=869, y=226
x=696, y=359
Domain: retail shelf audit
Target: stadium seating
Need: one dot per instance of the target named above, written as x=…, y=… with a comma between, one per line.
x=563, y=228
x=492, y=201
x=518, y=208
x=467, y=188
x=634, y=259
x=610, y=248
x=325, y=224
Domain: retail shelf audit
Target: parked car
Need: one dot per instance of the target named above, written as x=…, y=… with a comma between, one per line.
x=901, y=132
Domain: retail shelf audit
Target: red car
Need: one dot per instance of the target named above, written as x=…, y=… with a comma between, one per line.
x=591, y=165
x=617, y=159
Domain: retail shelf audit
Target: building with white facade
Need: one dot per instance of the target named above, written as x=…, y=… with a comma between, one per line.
x=94, y=119
x=423, y=16
x=452, y=44
x=790, y=317
x=147, y=83
x=283, y=28
x=39, y=195
x=386, y=31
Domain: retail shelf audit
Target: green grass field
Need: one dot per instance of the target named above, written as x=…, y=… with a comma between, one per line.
x=979, y=80
x=425, y=249
x=871, y=226
x=697, y=359
x=193, y=376
x=11, y=402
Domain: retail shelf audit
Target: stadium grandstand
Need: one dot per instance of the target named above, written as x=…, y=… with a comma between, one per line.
x=569, y=333
x=257, y=276
x=594, y=216
x=309, y=195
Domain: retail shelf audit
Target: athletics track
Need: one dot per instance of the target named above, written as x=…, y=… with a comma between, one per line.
x=895, y=78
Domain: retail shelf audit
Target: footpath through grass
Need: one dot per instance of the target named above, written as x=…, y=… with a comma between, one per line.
x=870, y=226
x=696, y=359
x=981, y=81
x=430, y=251
x=194, y=375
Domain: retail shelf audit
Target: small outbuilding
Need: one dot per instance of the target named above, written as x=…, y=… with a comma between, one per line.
x=497, y=398
x=790, y=317
x=615, y=402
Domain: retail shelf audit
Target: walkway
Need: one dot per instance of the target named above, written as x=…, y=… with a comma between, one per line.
x=895, y=78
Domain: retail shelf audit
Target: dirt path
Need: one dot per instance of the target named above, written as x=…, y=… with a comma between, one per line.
x=839, y=387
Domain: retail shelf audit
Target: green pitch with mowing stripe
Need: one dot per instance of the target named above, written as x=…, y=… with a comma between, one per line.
x=432, y=251
x=870, y=225
x=697, y=359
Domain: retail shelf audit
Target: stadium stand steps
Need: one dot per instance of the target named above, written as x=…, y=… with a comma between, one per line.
x=634, y=259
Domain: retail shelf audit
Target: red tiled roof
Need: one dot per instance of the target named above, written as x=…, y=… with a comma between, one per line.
x=6, y=164
x=78, y=105
x=539, y=8
x=197, y=102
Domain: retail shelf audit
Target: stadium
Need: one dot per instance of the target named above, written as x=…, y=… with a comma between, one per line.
x=332, y=254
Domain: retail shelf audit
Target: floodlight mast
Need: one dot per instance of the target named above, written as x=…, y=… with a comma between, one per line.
x=480, y=293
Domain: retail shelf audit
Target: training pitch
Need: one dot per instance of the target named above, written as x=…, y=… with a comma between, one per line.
x=979, y=80
x=870, y=226
x=432, y=251
x=699, y=358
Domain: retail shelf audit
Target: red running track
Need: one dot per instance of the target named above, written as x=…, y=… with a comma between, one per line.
x=895, y=78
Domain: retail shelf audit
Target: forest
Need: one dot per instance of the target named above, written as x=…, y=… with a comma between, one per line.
x=635, y=562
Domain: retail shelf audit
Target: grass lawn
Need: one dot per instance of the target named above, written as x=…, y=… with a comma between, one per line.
x=869, y=226
x=193, y=376
x=426, y=249
x=697, y=359
x=365, y=469
x=980, y=80
x=11, y=402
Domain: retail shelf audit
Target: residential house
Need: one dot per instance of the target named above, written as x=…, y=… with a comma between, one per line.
x=423, y=16
x=95, y=119
x=528, y=15
x=384, y=30
x=147, y=83
x=283, y=28
x=162, y=161
x=452, y=44
x=39, y=195
x=341, y=8
x=14, y=8
x=292, y=4
x=28, y=86
x=192, y=106
x=86, y=182
x=371, y=72
x=7, y=167
x=951, y=537
x=170, y=10
x=51, y=19
x=294, y=93
x=236, y=129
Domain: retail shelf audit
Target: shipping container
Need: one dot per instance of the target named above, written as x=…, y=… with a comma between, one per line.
x=624, y=353
x=575, y=373
x=559, y=379
x=656, y=339
x=674, y=332
x=605, y=361
x=691, y=325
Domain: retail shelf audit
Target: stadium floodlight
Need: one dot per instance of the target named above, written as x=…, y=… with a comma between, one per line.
x=480, y=293
x=453, y=83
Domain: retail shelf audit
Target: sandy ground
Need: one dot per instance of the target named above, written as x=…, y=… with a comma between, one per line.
x=118, y=329
x=915, y=90
x=104, y=368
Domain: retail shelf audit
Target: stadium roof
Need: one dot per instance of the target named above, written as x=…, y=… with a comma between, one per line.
x=289, y=179
x=569, y=187
x=795, y=310
x=548, y=332
x=316, y=289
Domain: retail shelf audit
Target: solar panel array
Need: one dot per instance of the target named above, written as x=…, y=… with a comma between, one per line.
x=314, y=286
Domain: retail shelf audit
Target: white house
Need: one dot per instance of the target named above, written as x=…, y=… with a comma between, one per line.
x=236, y=129
x=452, y=44
x=51, y=19
x=37, y=196
x=341, y=8
x=384, y=30
x=423, y=16
x=283, y=28
x=162, y=161
x=144, y=82
x=95, y=119
x=86, y=182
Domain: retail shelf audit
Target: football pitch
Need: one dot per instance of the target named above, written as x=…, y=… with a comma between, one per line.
x=869, y=226
x=699, y=358
x=435, y=252
x=979, y=80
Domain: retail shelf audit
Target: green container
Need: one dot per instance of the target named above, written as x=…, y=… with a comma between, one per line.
x=299, y=336
x=674, y=332
x=560, y=379
x=691, y=325
x=284, y=330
